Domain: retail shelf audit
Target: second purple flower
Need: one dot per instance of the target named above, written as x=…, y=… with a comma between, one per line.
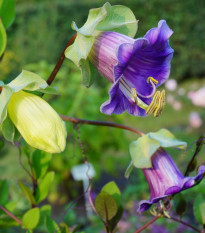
x=136, y=67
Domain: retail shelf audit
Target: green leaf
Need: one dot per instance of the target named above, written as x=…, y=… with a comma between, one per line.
x=45, y=211
x=64, y=228
x=142, y=150
x=31, y=218
x=40, y=163
x=28, y=81
x=112, y=189
x=105, y=206
x=7, y=12
x=3, y=38
x=7, y=222
x=8, y=129
x=199, y=209
x=43, y=187
x=4, y=192
x=1, y=144
x=11, y=205
x=114, y=221
x=27, y=192
x=119, y=19
x=167, y=139
x=52, y=226
x=180, y=204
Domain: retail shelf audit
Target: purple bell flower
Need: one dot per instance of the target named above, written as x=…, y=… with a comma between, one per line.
x=164, y=178
x=135, y=67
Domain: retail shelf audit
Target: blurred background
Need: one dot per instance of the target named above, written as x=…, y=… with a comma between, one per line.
x=36, y=39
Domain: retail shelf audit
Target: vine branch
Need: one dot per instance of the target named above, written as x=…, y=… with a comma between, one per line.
x=199, y=144
x=75, y=120
x=10, y=215
x=184, y=223
x=60, y=61
x=148, y=224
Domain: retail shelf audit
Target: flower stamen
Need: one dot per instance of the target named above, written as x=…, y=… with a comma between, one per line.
x=134, y=94
x=158, y=101
x=157, y=104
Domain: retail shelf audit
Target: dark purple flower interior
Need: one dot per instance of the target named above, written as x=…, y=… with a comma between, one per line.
x=146, y=57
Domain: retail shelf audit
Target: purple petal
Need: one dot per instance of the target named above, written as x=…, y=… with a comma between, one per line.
x=192, y=181
x=160, y=34
x=150, y=56
x=115, y=102
x=145, y=205
x=118, y=103
x=187, y=183
x=173, y=190
x=125, y=54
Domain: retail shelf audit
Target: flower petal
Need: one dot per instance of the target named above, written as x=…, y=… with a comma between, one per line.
x=160, y=34
x=37, y=122
x=118, y=103
x=187, y=183
x=115, y=102
x=149, y=56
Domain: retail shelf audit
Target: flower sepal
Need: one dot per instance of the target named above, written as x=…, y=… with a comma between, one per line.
x=142, y=149
x=26, y=80
x=24, y=112
x=106, y=18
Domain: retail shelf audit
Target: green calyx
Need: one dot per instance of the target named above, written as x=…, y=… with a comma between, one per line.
x=27, y=81
x=106, y=18
x=142, y=149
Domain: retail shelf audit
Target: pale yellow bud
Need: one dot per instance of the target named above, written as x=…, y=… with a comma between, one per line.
x=37, y=122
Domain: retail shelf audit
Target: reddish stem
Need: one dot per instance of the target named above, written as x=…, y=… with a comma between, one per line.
x=10, y=215
x=148, y=224
x=184, y=223
x=60, y=61
x=100, y=123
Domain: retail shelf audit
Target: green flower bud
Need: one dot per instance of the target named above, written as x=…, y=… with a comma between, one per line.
x=37, y=122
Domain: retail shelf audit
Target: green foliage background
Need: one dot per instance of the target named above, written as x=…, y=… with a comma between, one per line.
x=42, y=28
x=35, y=41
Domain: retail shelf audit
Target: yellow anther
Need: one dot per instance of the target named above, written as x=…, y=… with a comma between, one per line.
x=133, y=92
x=151, y=108
x=160, y=105
x=157, y=104
x=153, y=80
x=134, y=95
